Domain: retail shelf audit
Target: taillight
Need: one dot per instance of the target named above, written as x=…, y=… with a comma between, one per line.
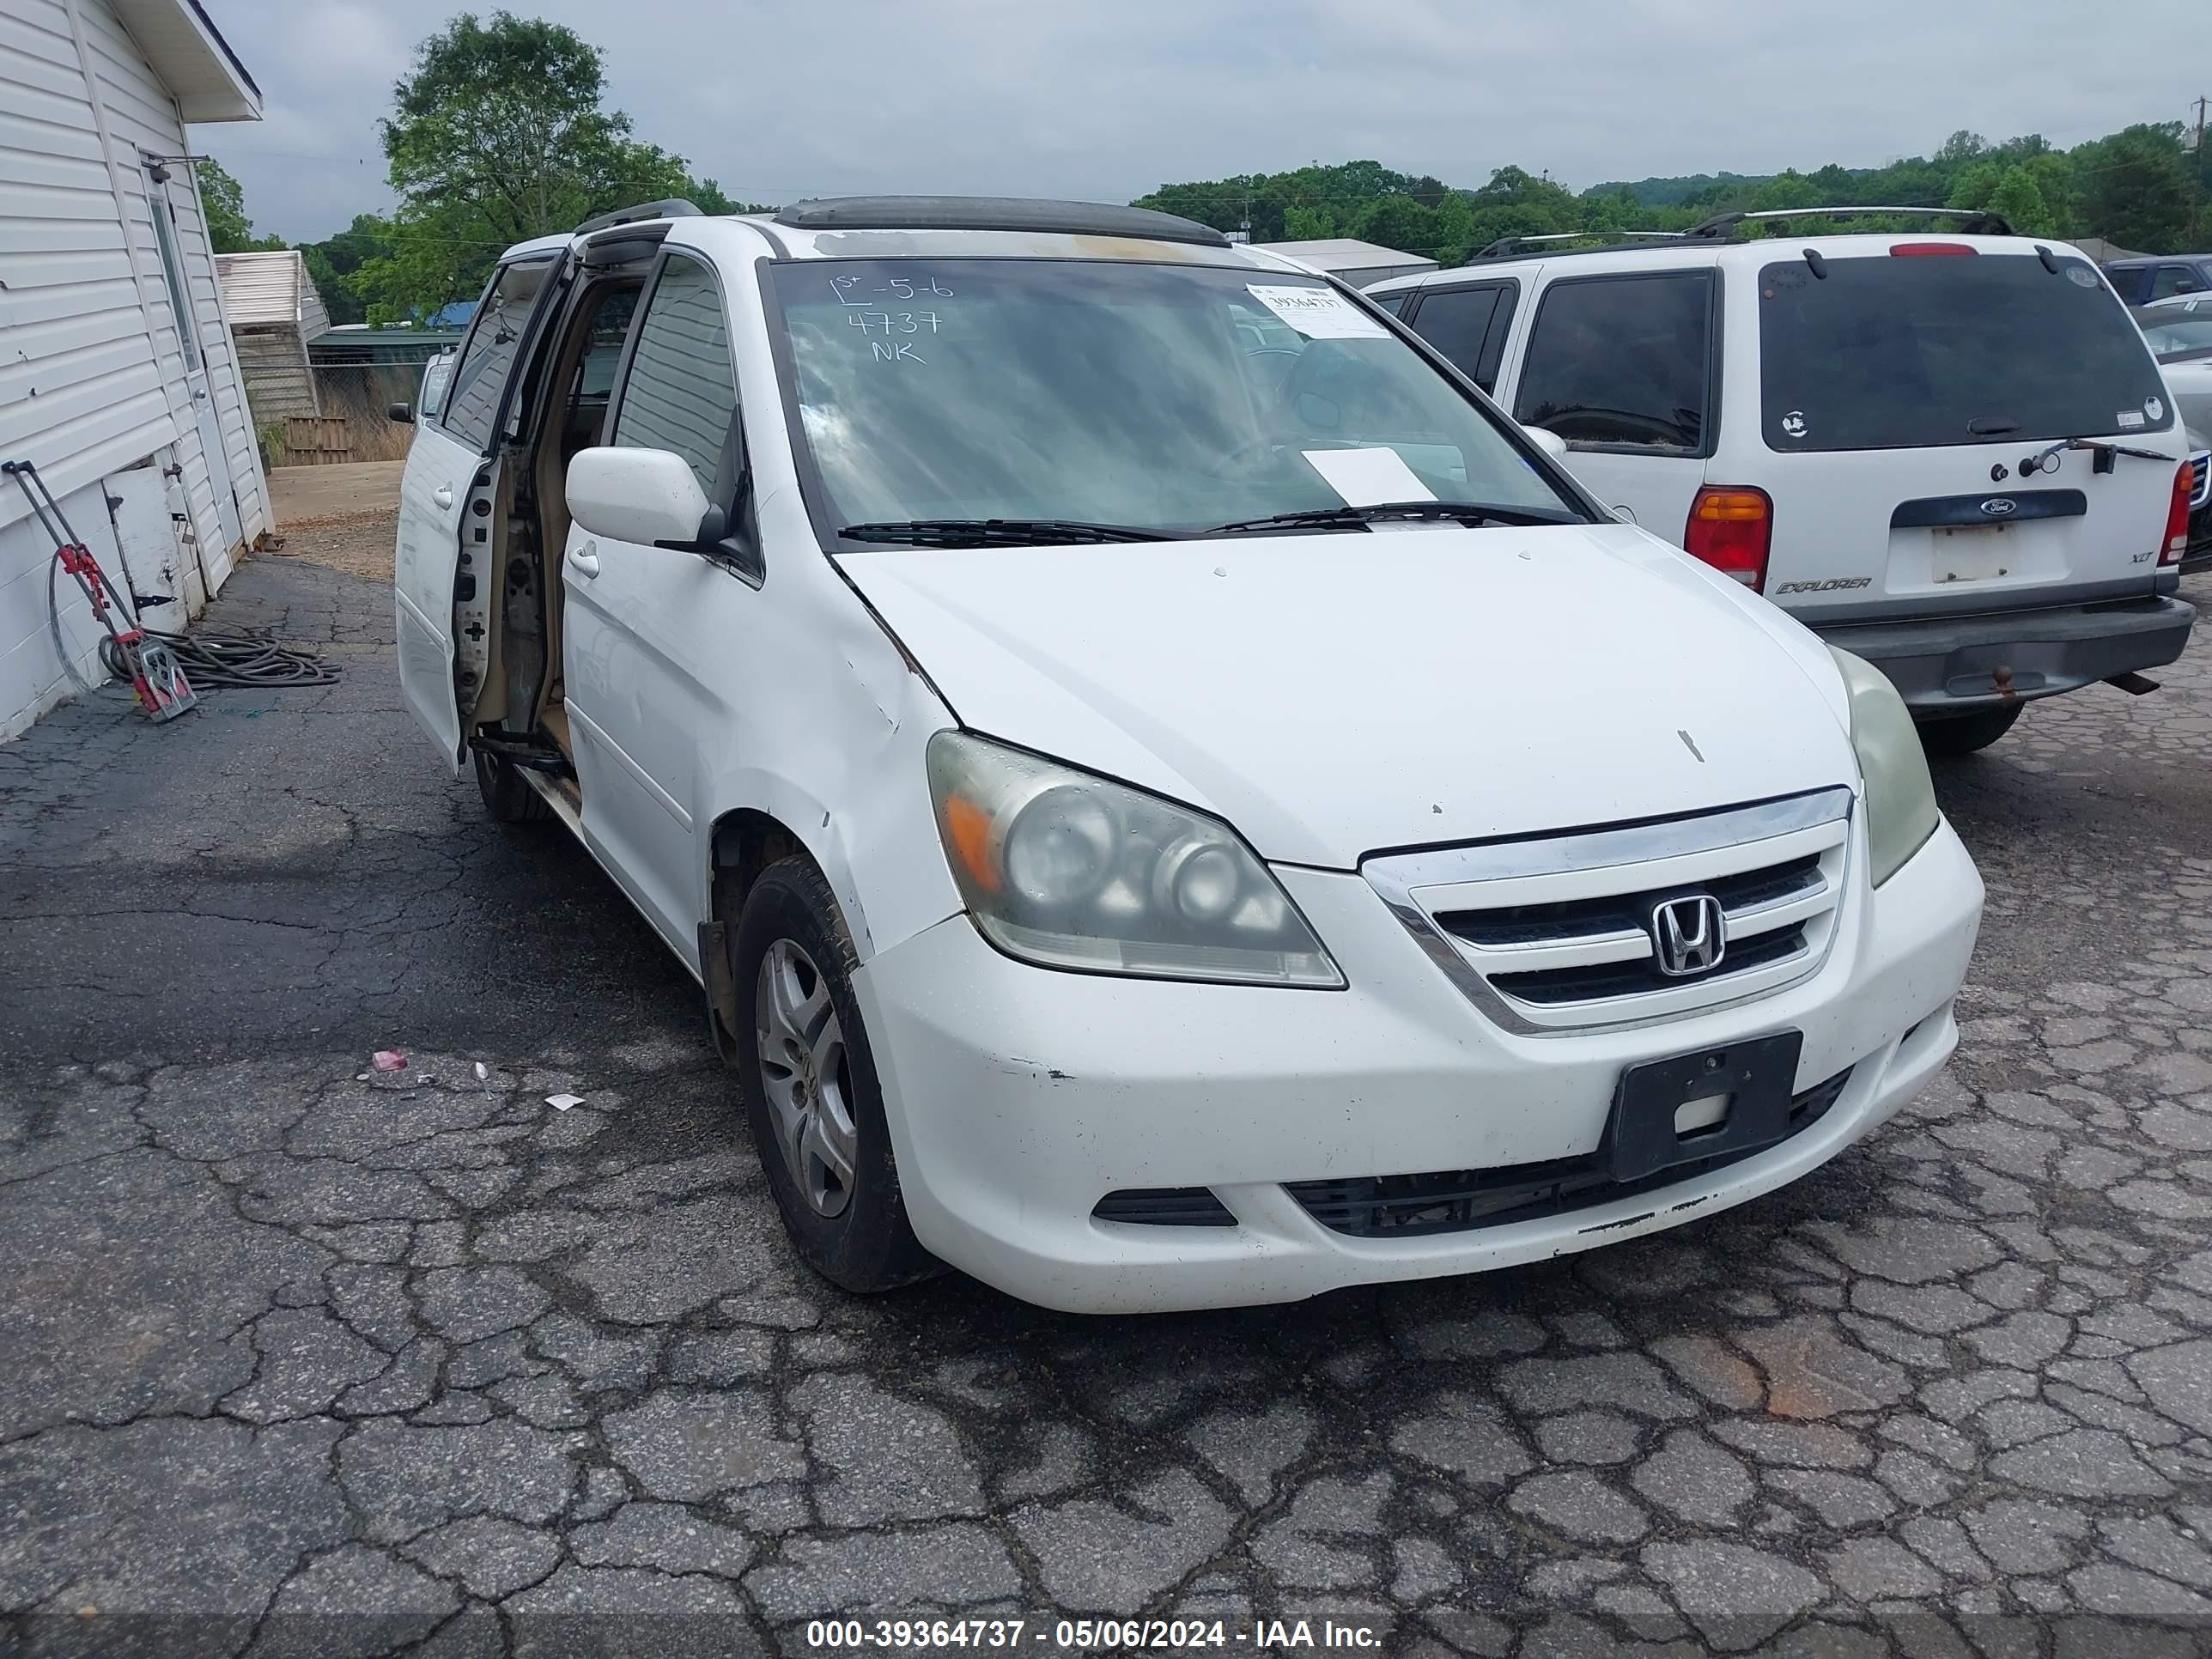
x=2177, y=516
x=1915, y=250
x=1730, y=528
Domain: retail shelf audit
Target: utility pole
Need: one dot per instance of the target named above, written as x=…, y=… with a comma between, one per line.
x=2196, y=158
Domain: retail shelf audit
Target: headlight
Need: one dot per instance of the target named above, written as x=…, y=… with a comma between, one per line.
x=1900, y=799
x=1070, y=871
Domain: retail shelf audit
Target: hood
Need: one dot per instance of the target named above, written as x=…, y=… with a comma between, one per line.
x=2190, y=386
x=1335, y=695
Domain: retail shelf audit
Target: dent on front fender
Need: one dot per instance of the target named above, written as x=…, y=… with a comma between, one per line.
x=835, y=750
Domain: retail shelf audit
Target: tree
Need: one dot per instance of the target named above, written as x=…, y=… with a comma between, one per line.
x=2019, y=200
x=334, y=262
x=2137, y=189
x=229, y=231
x=1959, y=149
x=498, y=134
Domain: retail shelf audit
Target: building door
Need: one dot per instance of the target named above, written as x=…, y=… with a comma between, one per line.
x=195, y=375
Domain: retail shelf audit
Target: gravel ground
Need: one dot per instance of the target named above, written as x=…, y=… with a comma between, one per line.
x=304, y=1357
x=358, y=544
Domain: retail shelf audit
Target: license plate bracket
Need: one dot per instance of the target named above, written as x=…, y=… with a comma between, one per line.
x=1757, y=1077
x=1972, y=553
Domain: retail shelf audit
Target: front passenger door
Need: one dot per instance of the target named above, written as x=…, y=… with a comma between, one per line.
x=649, y=632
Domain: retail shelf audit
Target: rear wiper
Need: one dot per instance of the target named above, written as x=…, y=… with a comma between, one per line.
x=2101, y=449
x=978, y=532
x=1350, y=517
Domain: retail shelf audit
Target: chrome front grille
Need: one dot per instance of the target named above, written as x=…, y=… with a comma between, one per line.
x=2200, y=477
x=1557, y=934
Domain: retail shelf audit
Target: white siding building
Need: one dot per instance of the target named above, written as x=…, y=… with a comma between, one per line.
x=118, y=376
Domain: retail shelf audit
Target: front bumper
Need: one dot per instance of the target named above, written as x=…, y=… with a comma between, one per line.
x=1947, y=665
x=1019, y=1097
x=2198, y=554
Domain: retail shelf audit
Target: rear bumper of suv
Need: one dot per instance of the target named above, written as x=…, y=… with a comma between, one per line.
x=1948, y=665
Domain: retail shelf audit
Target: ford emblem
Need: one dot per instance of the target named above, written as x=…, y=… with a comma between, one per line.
x=1997, y=506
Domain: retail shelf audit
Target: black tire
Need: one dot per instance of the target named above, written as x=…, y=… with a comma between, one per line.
x=1962, y=734
x=508, y=796
x=864, y=1244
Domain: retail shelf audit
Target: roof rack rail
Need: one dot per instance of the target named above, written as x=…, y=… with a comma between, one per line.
x=1506, y=247
x=1978, y=221
x=671, y=207
x=994, y=213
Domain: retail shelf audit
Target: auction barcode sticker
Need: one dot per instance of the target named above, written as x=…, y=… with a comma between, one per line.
x=1319, y=314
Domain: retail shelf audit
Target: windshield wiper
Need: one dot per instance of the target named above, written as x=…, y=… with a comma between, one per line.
x=979, y=532
x=1351, y=517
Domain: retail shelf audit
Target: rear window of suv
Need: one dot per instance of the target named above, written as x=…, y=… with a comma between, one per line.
x=1918, y=353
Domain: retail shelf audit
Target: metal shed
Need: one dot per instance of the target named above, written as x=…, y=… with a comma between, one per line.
x=274, y=314
x=1356, y=262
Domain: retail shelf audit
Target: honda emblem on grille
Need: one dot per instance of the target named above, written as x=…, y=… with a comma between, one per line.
x=1688, y=935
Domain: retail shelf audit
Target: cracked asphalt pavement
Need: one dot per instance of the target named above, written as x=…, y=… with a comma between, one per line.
x=295, y=1359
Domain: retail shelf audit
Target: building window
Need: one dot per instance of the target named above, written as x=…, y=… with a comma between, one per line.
x=181, y=304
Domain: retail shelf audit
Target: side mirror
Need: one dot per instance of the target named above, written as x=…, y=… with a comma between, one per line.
x=1549, y=441
x=648, y=496
x=401, y=413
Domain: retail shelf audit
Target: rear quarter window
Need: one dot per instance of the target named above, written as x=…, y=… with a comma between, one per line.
x=1895, y=353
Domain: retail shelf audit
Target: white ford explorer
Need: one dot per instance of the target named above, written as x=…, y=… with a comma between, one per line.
x=1173, y=800
x=1949, y=454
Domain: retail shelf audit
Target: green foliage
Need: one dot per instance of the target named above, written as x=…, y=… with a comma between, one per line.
x=2138, y=188
x=229, y=231
x=334, y=262
x=1674, y=193
x=498, y=134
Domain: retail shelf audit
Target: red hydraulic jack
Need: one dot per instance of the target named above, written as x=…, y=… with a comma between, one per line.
x=153, y=673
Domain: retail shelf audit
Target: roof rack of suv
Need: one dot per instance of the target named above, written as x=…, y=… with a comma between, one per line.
x=1977, y=221
x=994, y=213
x=671, y=207
x=1507, y=247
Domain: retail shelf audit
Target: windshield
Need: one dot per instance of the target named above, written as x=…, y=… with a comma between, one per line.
x=2176, y=333
x=1898, y=353
x=1163, y=398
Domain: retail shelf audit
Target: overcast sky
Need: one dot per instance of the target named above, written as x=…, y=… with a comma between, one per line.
x=1105, y=99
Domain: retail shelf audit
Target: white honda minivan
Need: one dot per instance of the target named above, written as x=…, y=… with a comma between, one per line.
x=1172, y=799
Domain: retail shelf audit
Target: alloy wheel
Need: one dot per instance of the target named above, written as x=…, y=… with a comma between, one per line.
x=805, y=1076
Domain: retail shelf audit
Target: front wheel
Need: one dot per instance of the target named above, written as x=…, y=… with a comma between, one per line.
x=1963, y=734
x=508, y=796
x=812, y=1097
